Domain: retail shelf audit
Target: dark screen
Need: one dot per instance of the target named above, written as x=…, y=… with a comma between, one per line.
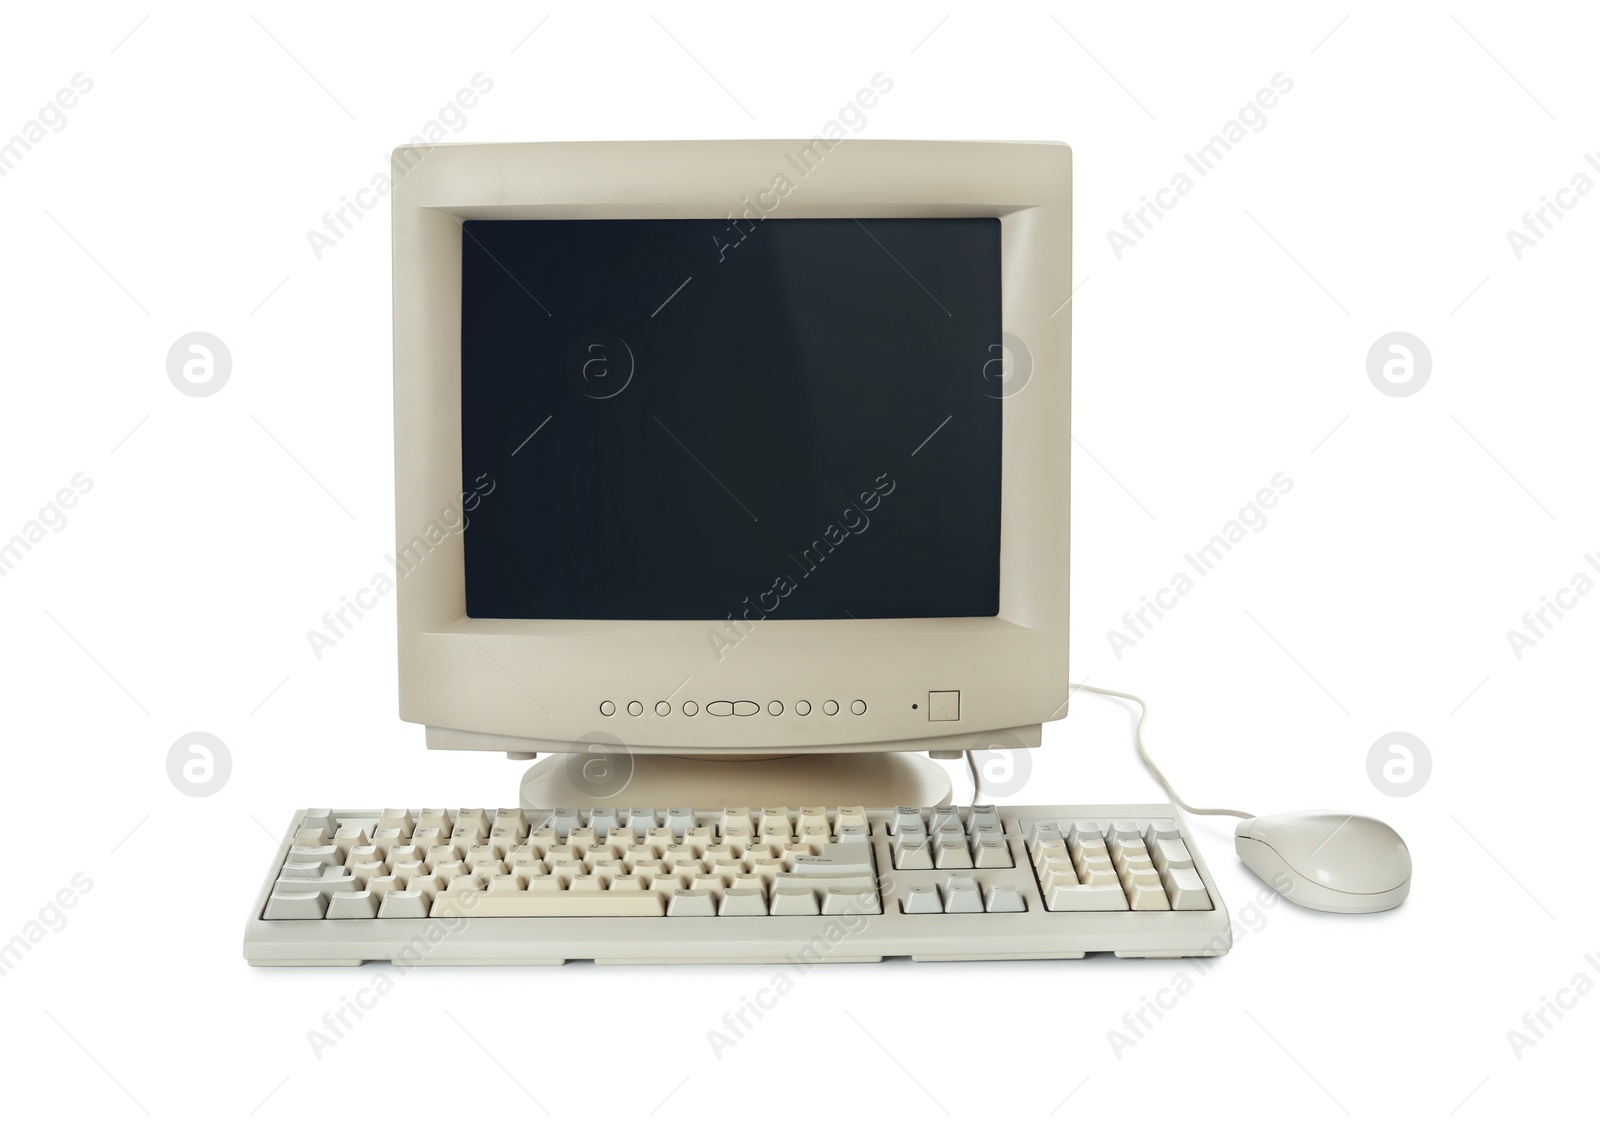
x=692, y=419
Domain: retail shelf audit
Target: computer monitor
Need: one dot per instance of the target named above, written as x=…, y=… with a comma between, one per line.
x=733, y=448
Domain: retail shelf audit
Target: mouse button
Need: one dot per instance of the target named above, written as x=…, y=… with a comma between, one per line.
x=1359, y=856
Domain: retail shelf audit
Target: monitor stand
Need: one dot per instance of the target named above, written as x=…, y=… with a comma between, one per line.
x=621, y=780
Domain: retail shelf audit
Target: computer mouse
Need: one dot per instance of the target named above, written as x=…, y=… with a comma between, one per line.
x=1330, y=861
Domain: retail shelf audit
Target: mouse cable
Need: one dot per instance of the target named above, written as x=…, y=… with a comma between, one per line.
x=1138, y=742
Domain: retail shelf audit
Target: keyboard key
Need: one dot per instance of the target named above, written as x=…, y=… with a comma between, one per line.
x=961, y=895
x=353, y=834
x=913, y=855
x=319, y=819
x=396, y=819
x=295, y=905
x=835, y=858
x=792, y=902
x=326, y=884
x=921, y=898
x=327, y=854
x=1145, y=879
x=1169, y=853
x=1003, y=898
x=1041, y=830
x=775, y=825
x=353, y=904
x=546, y=903
x=744, y=902
x=697, y=903
x=405, y=904
x=1086, y=898
x=1185, y=890
x=991, y=851
x=435, y=818
x=907, y=819
x=844, y=900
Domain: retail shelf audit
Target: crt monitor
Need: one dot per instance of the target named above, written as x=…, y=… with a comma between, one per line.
x=732, y=448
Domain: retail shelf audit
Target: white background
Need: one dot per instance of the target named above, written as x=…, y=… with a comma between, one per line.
x=1230, y=344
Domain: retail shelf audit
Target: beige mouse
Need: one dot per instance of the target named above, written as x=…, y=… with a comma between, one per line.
x=1330, y=861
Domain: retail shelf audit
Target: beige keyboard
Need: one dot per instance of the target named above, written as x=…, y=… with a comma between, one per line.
x=542, y=886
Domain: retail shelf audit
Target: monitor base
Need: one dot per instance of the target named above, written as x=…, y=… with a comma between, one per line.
x=620, y=780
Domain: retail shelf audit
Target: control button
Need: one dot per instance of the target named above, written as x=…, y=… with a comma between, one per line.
x=944, y=706
x=722, y=708
x=636, y=708
x=608, y=708
x=744, y=708
x=858, y=707
x=802, y=708
x=830, y=708
x=691, y=708
x=774, y=707
x=663, y=708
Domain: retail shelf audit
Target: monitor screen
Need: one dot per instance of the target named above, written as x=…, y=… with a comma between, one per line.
x=705, y=419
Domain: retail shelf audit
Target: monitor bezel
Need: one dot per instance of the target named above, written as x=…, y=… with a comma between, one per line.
x=539, y=685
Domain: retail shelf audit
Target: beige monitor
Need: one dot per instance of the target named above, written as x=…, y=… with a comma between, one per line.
x=590, y=494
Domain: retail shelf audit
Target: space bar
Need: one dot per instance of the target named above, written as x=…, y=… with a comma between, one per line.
x=549, y=904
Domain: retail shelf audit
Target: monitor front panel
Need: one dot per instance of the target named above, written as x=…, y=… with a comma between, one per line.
x=813, y=450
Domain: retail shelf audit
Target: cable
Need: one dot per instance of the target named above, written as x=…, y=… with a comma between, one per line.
x=977, y=781
x=1138, y=742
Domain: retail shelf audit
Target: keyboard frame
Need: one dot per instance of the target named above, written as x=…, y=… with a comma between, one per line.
x=1036, y=933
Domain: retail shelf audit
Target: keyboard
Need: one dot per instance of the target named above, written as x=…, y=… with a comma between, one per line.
x=515, y=886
